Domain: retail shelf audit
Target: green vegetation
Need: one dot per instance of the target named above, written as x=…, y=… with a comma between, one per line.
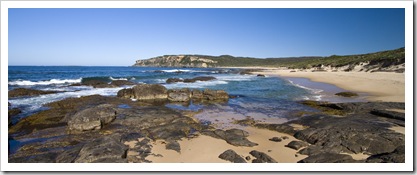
x=381, y=59
x=385, y=57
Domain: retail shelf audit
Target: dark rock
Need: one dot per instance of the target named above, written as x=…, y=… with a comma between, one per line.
x=173, y=145
x=260, y=75
x=347, y=94
x=284, y=128
x=38, y=158
x=126, y=93
x=284, y=137
x=21, y=92
x=247, y=158
x=134, y=136
x=397, y=156
x=329, y=158
x=296, y=145
x=14, y=111
x=121, y=83
x=192, y=80
x=275, y=139
x=261, y=157
x=174, y=80
x=69, y=155
x=196, y=94
x=215, y=95
x=92, y=118
x=389, y=114
x=97, y=84
x=145, y=92
x=234, y=137
x=102, y=150
x=231, y=156
x=179, y=95
x=349, y=134
x=249, y=121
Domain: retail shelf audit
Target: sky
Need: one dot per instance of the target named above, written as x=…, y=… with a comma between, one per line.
x=119, y=37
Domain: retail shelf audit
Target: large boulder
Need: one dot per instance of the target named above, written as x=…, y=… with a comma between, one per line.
x=231, y=156
x=196, y=94
x=296, y=144
x=145, y=92
x=209, y=94
x=92, y=118
x=179, y=95
x=261, y=157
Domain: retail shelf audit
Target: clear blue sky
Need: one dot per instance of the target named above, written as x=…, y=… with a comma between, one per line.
x=120, y=36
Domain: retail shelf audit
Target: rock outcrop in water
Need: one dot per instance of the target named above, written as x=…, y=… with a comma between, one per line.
x=107, y=132
x=158, y=92
x=24, y=92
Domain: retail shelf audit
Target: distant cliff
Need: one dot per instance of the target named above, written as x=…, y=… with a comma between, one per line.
x=177, y=61
x=391, y=60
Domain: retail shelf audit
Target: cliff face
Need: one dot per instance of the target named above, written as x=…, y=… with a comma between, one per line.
x=177, y=61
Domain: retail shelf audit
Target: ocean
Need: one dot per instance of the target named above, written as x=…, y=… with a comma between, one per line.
x=264, y=98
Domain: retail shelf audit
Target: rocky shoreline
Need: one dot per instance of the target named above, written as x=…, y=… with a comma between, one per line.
x=119, y=130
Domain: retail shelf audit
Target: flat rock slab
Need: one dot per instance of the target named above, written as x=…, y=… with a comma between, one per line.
x=397, y=156
x=105, y=149
x=21, y=92
x=231, y=156
x=234, y=137
x=389, y=114
x=329, y=158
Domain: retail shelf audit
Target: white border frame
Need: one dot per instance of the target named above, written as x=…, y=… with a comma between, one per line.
x=408, y=166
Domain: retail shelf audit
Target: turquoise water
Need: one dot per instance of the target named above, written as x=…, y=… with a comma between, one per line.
x=272, y=96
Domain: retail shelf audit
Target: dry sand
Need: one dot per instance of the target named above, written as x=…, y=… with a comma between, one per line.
x=381, y=86
x=205, y=149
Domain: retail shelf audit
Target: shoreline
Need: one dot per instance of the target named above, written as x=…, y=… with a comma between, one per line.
x=379, y=86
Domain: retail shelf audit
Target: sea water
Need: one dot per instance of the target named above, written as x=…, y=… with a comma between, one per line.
x=260, y=97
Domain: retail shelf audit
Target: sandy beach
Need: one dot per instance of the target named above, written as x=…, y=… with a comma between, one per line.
x=380, y=86
x=205, y=149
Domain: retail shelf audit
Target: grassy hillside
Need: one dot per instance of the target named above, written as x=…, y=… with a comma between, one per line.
x=382, y=59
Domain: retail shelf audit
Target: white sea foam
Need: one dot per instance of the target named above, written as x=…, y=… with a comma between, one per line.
x=49, y=82
x=177, y=70
x=315, y=91
x=36, y=103
x=235, y=77
x=111, y=78
x=197, y=84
